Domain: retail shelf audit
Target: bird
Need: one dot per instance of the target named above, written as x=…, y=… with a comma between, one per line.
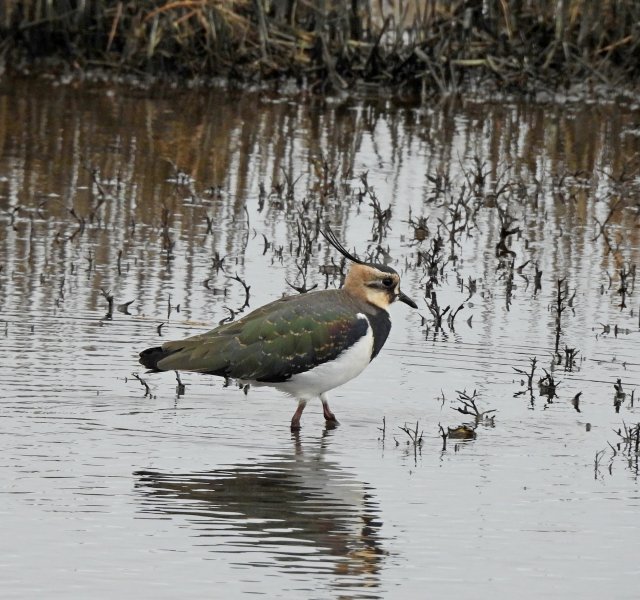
x=304, y=345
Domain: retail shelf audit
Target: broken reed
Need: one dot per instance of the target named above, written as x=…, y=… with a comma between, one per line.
x=425, y=46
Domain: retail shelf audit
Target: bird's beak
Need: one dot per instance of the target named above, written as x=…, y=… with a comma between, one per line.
x=404, y=298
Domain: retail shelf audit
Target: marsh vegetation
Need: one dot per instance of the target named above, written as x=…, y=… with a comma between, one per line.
x=410, y=47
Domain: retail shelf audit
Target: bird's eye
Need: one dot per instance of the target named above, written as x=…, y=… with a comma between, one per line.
x=387, y=282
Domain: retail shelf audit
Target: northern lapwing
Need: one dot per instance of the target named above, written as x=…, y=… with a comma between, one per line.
x=303, y=345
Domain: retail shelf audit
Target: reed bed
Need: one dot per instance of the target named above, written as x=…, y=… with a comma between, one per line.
x=410, y=46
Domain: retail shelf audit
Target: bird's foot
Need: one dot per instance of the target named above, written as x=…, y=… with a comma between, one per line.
x=331, y=423
x=329, y=417
x=295, y=420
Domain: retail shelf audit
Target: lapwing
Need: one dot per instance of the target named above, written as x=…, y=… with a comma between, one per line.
x=303, y=345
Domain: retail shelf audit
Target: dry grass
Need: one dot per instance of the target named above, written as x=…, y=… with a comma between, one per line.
x=426, y=46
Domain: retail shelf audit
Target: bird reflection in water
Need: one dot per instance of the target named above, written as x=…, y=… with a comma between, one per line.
x=302, y=511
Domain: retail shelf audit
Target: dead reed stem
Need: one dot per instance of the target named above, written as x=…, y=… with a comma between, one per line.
x=421, y=46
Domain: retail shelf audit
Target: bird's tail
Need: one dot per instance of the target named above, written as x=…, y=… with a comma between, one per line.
x=150, y=357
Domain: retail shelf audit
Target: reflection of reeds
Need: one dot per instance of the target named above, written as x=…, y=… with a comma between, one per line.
x=230, y=144
x=424, y=44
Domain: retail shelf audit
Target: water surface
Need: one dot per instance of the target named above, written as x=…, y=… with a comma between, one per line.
x=107, y=491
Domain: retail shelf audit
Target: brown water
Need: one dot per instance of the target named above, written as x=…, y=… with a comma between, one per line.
x=107, y=492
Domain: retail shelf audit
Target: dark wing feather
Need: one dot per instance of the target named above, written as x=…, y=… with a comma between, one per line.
x=273, y=343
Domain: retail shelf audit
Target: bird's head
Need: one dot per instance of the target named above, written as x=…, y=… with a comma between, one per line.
x=376, y=283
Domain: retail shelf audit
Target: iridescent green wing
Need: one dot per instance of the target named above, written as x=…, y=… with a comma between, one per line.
x=273, y=343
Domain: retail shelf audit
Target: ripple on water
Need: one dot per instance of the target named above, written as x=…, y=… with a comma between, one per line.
x=110, y=488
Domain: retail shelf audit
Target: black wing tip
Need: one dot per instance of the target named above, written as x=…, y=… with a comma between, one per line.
x=150, y=357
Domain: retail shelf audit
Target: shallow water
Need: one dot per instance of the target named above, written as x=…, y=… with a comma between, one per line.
x=107, y=491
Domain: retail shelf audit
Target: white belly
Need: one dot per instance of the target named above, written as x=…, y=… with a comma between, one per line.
x=332, y=374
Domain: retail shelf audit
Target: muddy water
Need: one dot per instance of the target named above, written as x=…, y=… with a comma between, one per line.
x=107, y=491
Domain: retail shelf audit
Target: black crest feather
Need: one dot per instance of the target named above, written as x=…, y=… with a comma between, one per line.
x=331, y=237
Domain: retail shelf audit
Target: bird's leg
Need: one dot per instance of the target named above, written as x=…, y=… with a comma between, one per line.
x=295, y=420
x=329, y=417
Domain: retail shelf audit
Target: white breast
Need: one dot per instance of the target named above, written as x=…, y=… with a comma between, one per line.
x=329, y=375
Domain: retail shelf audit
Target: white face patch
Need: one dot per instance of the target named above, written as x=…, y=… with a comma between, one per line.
x=379, y=297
